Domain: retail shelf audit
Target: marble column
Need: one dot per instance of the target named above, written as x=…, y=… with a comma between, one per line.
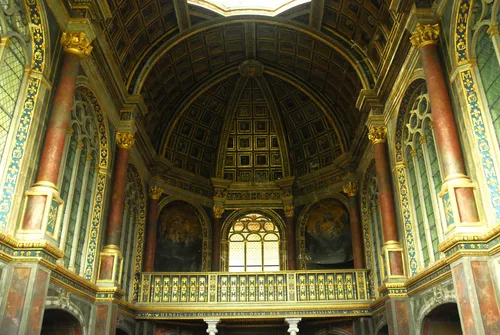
x=393, y=253
x=152, y=228
x=291, y=249
x=458, y=191
x=293, y=325
x=216, y=237
x=110, y=257
x=212, y=326
x=357, y=239
x=43, y=202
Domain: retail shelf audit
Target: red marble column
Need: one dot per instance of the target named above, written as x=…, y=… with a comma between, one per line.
x=152, y=227
x=290, y=237
x=216, y=237
x=357, y=239
x=378, y=136
x=425, y=38
x=76, y=46
x=124, y=142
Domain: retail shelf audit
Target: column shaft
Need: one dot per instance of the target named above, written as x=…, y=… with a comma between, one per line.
x=117, y=198
x=216, y=243
x=355, y=223
x=291, y=245
x=152, y=228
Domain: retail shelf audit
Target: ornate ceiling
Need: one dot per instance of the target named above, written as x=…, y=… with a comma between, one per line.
x=317, y=57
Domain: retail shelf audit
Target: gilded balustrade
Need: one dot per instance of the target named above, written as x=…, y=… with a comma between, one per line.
x=271, y=288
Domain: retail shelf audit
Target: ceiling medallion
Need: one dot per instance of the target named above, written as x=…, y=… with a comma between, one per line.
x=251, y=68
x=248, y=7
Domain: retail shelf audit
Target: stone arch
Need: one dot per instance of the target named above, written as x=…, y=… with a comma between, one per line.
x=205, y=224
x=430, y=305
x=64, y=304
x=332, y=331
x=231, y=219
x=123, y=326
x=302, y=220
x=380, y=324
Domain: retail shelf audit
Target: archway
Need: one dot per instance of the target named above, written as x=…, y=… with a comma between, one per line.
x=384, y=330
x=442, y=320
x=120, y=331
x=60, y=322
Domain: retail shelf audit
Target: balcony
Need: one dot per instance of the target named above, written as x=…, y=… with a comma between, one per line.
x=233, y=295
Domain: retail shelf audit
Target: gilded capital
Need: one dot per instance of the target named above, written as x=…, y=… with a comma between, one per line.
x=289, y=210
x=425, y=34
x=155, y=192
x=377, y=134
x=351, y=188
x=218, y=211
x=124, y=140
x=76, y=43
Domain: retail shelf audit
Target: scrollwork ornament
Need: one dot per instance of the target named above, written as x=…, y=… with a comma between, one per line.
x=218, y=211
x=289, y=210
x=124, y=140
x=425, y=34
x=76, y=43
x=155, y=192
x=350, y=189
x=377, y=134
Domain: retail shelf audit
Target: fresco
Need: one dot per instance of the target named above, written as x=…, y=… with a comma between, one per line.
x=328, y=236
x=179, y=239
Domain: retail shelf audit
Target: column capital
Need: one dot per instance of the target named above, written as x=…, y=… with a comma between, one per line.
x=218, y=211
x=289, y=210
x=425, y=34
x=377, y=134
x=212, y=326
x=293, y=325
x=124, y=140
x=351, y=189
x=155, y=192
x=76, y=43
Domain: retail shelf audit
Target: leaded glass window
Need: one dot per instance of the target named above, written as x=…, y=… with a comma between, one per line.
x=424, y=175
x=376, y=229
x=77, y=182
x=128, y=232
x=254, y=244
x=13, y=58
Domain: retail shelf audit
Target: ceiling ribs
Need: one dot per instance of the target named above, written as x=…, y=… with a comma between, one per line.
x=251, y=45
x=316, y=14
x=182, y=14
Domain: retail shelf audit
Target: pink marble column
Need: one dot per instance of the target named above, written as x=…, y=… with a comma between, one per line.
x=216, y=237
x=76, y=46
x=357, y=239
x=152, y=227
x=291, y=248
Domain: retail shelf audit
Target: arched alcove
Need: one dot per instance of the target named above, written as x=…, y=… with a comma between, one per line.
x=60, y=322
x=443, y=319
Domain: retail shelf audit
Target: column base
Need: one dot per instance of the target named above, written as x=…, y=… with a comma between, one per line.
x=110, y=267
x=394, y=261
x=42, y=214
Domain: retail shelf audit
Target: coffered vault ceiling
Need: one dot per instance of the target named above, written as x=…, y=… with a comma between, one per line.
x=174, y=54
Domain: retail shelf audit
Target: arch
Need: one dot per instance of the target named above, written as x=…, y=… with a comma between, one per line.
x=345, y=48
x=304, y=216
x=236, y=215
x=434, y=306
x=332, y=331
x=65, y=305
x=430, y=305
x=140, y=233
x=205, y=224
x=381, y=323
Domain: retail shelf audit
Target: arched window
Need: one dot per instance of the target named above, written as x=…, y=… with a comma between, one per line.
x=254, y=244
x=424, y=174
x=128, y=232
x=77, y=182
x=13, y=51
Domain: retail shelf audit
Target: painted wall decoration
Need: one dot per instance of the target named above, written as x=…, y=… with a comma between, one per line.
x=327, y=235
x=179, y=239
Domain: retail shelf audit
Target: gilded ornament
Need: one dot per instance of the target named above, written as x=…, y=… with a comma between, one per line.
x=289, y=210
x=76, y=43
x=218, y=211
x=350, y=189
x=377, y=134
x=155, y=192
x=124, y=140
x=425, y=34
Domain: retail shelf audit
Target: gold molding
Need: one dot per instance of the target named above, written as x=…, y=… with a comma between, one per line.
x=425, y=34
x=377, y=134
x=125, y=140
x=76, y=43
x=155, y=192
x=351, y=189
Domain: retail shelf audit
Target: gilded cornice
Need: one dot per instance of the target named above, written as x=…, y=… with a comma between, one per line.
x=45, y=246
x=425, y=34
x=458, y=239
x=76, y=43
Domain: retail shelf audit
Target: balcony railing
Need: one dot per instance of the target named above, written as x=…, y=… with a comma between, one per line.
x=246, y=288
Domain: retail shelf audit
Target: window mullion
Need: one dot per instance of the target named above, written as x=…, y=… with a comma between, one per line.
x=81, y=205
x=71, y=192
x=128, y=250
